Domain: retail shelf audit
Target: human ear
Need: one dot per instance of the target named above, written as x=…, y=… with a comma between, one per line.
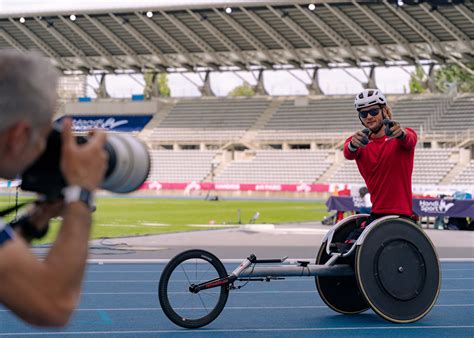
x=17, y=138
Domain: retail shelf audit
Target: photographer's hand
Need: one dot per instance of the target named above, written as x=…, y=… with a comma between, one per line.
x=34, y=224
x=83, y=165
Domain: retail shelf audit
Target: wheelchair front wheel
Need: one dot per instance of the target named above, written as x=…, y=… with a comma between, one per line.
x=183, y=307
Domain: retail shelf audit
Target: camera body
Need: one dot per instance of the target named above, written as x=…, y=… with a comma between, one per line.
x=128, y=166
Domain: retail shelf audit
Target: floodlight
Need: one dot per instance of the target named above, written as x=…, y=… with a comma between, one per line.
x=228, y=10
x=311, y=7
x=72, y=17
x=22, y=20
x=149, y=14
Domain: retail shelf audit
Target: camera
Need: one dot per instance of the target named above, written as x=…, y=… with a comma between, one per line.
x=128, y=166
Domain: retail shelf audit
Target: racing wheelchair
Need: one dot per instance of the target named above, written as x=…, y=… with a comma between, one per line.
x=392, y=268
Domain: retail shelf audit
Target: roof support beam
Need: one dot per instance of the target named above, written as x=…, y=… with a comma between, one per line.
x=448, y=26
x=65, y=42
x=357, y=30
x=91, y=42
x=11, y=41
x=168, y=39
x=418, y=28
x=231, y=46
x=115, y=39
x=285, y=44
x=150, y=46
x=465, y=12
x=387, y=29
x=312, y=42
x=203, y=45
x=331, y=33
x=251, y=39
x=39, y=43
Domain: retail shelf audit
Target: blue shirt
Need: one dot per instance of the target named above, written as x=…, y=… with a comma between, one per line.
x=6, y=232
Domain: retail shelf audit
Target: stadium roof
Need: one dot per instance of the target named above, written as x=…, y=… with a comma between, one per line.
x=175, y=36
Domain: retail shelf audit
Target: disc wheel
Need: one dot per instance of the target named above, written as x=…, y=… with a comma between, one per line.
x=397, y=270
x=180, y=305
x=340, y=293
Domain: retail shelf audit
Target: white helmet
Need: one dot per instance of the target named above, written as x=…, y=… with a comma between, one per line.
x=369, y=97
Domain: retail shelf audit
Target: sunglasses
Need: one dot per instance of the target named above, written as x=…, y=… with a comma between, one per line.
x=373, y=112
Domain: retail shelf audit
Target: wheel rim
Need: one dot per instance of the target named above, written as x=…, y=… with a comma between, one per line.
x=179, y=304
x=188, y=305
x=398, y=295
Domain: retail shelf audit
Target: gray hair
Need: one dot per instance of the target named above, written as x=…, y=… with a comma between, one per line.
x=28, y=88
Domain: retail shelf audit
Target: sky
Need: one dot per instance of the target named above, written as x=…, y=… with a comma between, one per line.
x=332, y=82
x=390, y=80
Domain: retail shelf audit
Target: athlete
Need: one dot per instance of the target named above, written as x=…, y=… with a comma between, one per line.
x=384, y=153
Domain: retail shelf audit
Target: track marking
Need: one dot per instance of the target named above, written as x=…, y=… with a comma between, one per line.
x=236, y=308
x=207, y=331
x=234, y=260
x=280, y=281
x=240, y=292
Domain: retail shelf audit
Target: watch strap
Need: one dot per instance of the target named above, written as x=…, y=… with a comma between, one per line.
x=77, y=194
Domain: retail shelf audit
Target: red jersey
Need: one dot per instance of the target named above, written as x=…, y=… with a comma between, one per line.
x=386, y=164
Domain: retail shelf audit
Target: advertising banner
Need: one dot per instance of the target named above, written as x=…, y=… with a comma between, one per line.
x=120, y=123
x=421, y=206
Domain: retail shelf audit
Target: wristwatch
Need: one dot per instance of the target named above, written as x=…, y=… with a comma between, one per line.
x=77, y=194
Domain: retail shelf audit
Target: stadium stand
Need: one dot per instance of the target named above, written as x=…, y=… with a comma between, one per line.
x=212, y=125
x=458, y=115
x=430, y=167
x=299, y=121
x=217, y=120
x=466, y=176
x=180, y=166
x=277, y=166
x=418, y=111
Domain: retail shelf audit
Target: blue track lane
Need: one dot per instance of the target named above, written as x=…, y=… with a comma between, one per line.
x=120, y=300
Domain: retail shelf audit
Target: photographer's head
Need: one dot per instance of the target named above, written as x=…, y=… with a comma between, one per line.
x=28, y=99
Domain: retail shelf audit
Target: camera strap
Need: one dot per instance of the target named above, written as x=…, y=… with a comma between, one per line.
x=13, y=208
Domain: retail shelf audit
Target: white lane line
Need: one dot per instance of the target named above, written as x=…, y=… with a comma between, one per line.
x=240, y=292
x=231, y=260
x=237, y=308
x=297, y=329
x=160, y=271
x=289, y=280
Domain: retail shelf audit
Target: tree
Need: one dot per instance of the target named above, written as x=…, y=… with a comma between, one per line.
x=244, y=89
x=454, y=74
x=418, y=81
x=161, y=82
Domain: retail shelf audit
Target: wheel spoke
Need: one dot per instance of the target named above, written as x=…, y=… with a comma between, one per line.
x=204, y=273
x=185, y=274
x=202, y=302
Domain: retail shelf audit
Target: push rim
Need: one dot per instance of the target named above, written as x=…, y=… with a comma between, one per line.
x=341, y=293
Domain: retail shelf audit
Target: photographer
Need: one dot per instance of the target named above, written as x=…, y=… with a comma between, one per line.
x=43, y=292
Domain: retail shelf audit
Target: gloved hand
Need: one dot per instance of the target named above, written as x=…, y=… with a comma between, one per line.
x=359, y=140
x=393, y=129
x=365, y=139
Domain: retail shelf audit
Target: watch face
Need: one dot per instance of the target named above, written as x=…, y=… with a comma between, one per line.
x=86, y=197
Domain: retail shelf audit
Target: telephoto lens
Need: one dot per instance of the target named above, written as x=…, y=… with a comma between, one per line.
x=128, y=166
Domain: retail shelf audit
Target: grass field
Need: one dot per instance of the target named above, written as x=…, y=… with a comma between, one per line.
x=117, y=217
